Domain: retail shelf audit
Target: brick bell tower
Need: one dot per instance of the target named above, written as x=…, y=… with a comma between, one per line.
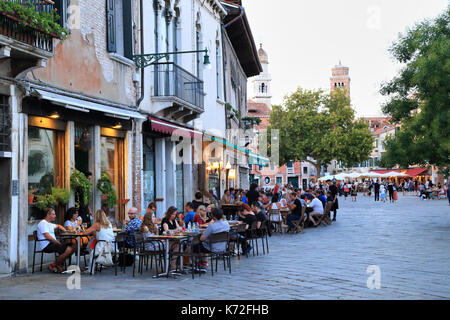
x=340, y=78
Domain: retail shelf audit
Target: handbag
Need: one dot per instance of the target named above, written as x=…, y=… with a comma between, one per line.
x=105, y=257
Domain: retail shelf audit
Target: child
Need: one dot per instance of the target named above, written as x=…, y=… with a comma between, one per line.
x=382, y=193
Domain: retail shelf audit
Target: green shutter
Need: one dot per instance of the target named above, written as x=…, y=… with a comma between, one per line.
x=111, y=25
x=128, y=28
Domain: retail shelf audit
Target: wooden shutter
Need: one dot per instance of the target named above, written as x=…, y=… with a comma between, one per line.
x=111, y=25
x=128, y=28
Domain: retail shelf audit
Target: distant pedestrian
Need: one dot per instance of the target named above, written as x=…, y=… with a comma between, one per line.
x=376, y=190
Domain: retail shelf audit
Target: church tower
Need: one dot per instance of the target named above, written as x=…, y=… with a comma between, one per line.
x=262, y=82
x=340, y=78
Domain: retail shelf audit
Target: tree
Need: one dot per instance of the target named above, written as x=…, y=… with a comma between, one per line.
x=320, y=126
x=418, y=97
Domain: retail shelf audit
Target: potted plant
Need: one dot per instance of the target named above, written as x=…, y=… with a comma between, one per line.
x=81, y=186
x=31, y=192
x=45, y=201
x=62, y=196
x=106, y=187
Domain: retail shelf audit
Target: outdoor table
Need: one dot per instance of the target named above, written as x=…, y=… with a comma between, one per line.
x=78, y=236
x=166, y=239
x=284, y=214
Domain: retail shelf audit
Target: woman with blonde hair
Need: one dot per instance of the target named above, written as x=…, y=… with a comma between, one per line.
x=103, y=231
x=201, y=216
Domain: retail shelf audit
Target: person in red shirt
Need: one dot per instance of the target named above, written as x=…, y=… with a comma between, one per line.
x=201, y=217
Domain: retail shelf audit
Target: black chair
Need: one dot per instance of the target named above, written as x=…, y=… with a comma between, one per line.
x=262, y=233
x=36, y=240
x=94, y=257
x=223, y=255
x=252, y=235
x=236, y=237
x=141, y=251
x=182, y=252
x=120, y=252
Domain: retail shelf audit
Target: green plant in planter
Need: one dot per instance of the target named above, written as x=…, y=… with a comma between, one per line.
x=45, y=201
x=81, y=186
x=62, y=196
x=105, y=185
x=29, y=17
x=228, y=106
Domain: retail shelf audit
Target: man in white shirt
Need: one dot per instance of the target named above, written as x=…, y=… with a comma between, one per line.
x=316, y=207
x=46, y=231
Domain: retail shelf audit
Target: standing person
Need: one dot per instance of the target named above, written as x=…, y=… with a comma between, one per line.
x=46, y=231
x=391, y=191
x=198, y=201
x=334, y=192
x=448, y=192
x=354, y=192
x=376, y=190
x=382, y=193
x=346, y=190
x=253, y=194
x=395, y=189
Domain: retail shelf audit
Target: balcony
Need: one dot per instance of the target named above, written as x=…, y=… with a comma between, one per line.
x=28, y=47
x=177, y=94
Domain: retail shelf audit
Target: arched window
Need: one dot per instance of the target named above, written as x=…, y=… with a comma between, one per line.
x=262, y=88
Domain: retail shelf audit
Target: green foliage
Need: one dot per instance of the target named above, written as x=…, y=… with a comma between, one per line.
x=45, y=201
x=321, y=126
x=419, y=96
x=62, y=196
x=29, y=17
x=106, y=187
x=81, y=186
x=228, y=106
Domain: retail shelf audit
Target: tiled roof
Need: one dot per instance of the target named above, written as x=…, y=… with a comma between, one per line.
x=261, y=109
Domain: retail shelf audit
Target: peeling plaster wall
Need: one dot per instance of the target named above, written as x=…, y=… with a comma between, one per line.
x=82, y=64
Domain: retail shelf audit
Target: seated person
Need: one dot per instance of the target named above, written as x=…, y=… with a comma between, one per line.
x=169, y=222
x=72, y=222
x=226, y=198
x=217, y=226
x=133, y=225
x=197, y=201
x=189, y=213
x=261, y=217
x=148, y=228
x=275, y=205
x=46, y=231
x=247, y=217
x=321, y=197
x=151, y=208
x=103, y=231
x=296, y=211
x=201, y=216
x=316, y=209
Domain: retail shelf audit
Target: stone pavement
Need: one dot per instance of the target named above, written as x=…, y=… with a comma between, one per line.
x=409, y=241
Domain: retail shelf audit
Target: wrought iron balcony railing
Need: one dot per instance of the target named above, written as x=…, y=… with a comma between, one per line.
x=172, y=80
x=11, y=27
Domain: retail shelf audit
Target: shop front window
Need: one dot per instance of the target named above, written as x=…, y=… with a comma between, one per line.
x=149, y=170
x=111, y=164
x=45, y=170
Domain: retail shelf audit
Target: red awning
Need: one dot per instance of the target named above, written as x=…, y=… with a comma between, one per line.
x=416, y=171
x=172, y=128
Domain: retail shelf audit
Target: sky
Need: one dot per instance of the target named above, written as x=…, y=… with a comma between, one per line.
x=305, y=39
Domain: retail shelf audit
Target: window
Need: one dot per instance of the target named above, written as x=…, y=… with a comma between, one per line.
x=120, y=27
x=5, y=125
x=62, y=7
x=305, y=170
x=218, y=70
x=289, y=164
x=279, y=180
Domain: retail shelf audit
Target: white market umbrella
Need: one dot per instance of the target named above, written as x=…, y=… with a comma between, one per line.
x=395, y=174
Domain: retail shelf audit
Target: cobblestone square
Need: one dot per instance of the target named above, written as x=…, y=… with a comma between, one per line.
x=409, y=241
